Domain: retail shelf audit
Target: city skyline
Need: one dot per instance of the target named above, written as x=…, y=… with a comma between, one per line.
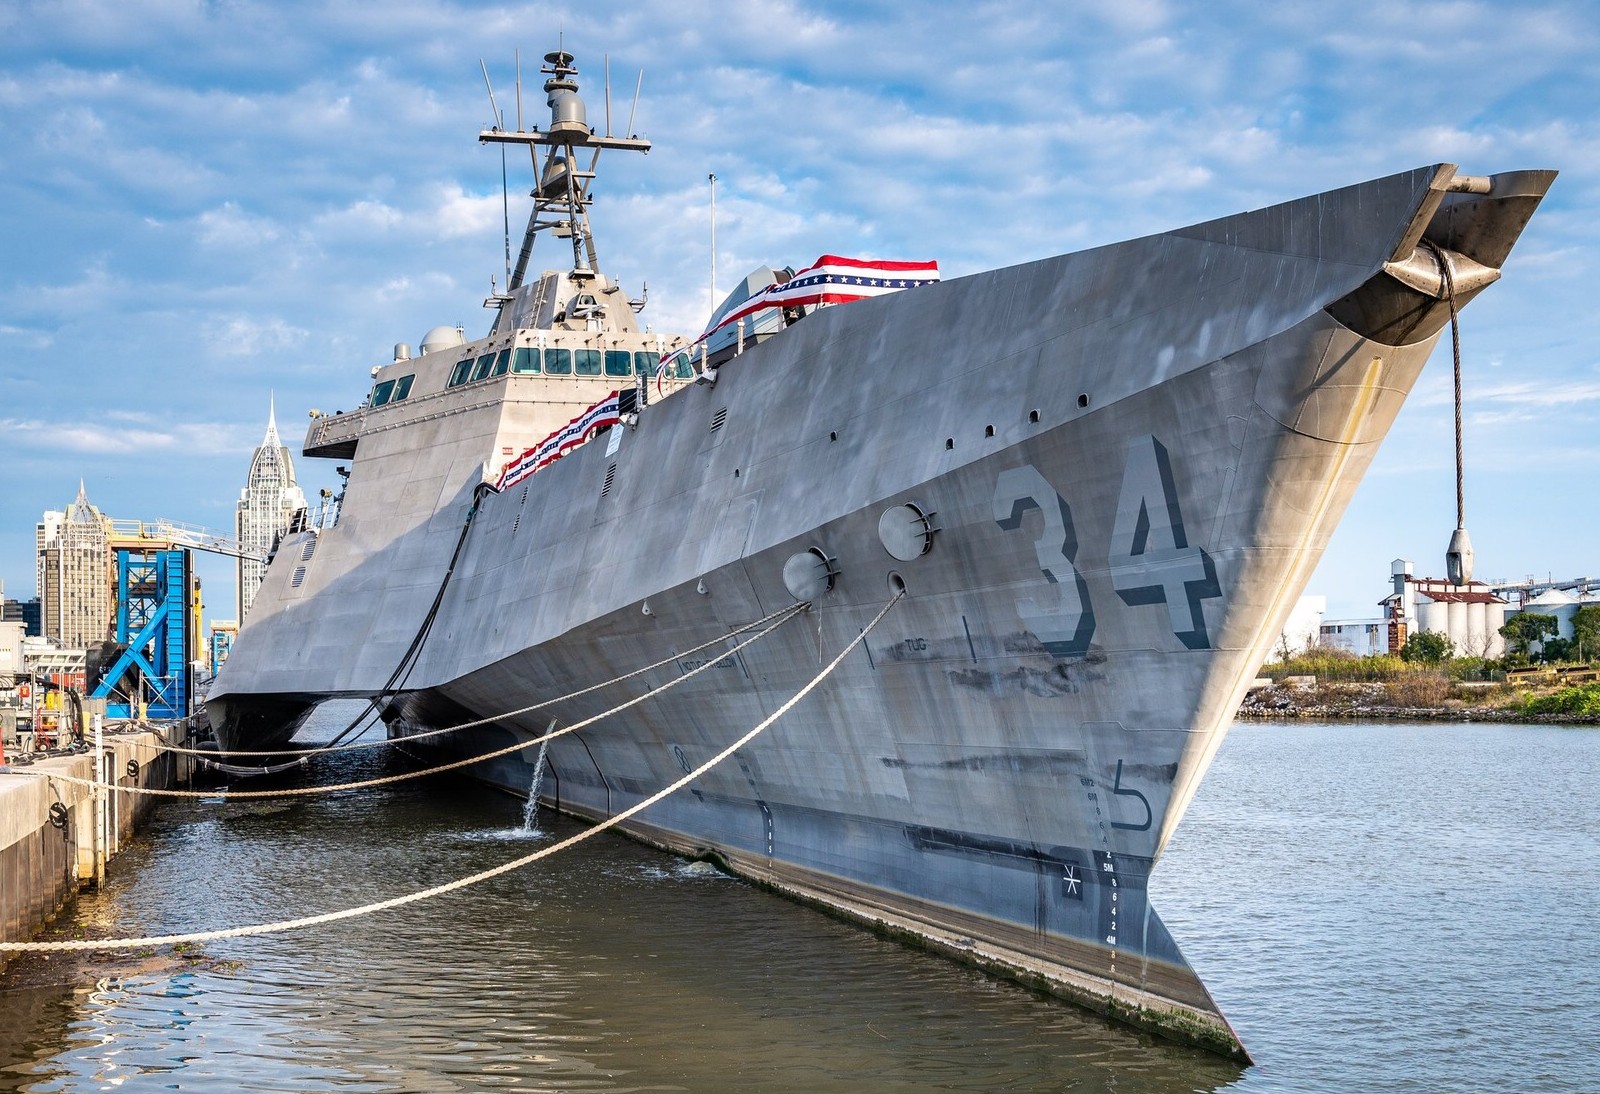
x=206, y=204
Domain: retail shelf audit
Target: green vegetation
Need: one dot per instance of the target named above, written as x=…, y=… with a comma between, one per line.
x=1586, y=632
x=1582, y=699
x=1522, y=630
x=1423, y=677
x=1474, y=668
x=1426, y=647
x=1341, y=666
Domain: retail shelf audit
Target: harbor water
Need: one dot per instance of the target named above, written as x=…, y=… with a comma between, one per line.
x=1375, y=907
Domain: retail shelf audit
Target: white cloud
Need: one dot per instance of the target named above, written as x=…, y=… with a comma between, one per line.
x=122, y=437
x=29, y=337
x=299, y=186
x=251, y=336
x=1568, y=393
x=229, y=226
x=456, y=213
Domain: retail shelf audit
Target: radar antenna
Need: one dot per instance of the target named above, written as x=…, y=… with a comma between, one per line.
x=505, y=185
x=561, y=188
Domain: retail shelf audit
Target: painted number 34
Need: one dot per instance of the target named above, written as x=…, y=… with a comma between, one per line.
x=1151, y=559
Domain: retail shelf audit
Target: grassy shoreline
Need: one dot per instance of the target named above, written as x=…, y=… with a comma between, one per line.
x=1382, y=687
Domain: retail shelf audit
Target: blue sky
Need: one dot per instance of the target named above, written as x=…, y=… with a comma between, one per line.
x=202, y=203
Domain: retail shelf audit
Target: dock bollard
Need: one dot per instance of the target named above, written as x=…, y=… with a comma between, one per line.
x=99, y=804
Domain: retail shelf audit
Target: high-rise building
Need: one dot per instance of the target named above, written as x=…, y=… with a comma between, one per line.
x=27, y=612
x=267, y=504
x=75, y=575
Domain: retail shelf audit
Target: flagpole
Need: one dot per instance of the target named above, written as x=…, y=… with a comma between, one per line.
x=713, y=179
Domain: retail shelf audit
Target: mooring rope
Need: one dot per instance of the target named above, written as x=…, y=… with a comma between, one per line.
x=474, y=879
x=305, y=791
x=215, y=753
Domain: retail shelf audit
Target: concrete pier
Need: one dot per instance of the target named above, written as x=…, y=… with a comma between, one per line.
x=41, y=865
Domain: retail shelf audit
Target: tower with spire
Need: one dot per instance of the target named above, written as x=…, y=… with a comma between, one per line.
x=266, y=506
x=75, y=575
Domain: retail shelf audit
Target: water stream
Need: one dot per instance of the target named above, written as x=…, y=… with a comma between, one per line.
x=530, y=811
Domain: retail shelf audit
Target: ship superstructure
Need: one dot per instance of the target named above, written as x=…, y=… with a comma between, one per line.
x=1093, y=485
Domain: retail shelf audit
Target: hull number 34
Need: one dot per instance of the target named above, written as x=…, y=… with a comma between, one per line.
x=1151, y=559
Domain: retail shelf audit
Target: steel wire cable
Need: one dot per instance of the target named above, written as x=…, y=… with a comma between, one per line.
x=306, y=791
x=1448, y=286
x=484, y=875
x=213, y=753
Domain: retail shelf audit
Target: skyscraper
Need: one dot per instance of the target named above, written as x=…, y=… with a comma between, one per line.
x=74, y=572
x=266, y=505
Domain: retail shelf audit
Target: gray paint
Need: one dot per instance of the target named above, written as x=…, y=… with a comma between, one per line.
x=1135, y=455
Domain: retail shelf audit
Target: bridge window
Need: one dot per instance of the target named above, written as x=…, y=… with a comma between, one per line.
x=502, y=362
x=646, y=362
x=381, y=393
x=481, y=369
x=619, y=362
x=402, y=387
x=558, y=362
x=586, y=362
x=683, y=369
x=526, y=359
x=463, y=370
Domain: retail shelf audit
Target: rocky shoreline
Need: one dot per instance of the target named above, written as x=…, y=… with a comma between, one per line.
x=1320, y=713
x=1301, y=701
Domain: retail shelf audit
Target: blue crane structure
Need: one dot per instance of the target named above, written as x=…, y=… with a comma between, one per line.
x=155, y=624
x=153, y=632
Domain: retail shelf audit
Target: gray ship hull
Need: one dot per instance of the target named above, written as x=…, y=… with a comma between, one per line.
x=1129, y=460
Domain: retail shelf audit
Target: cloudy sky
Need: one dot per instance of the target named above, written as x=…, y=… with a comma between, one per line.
x=206, y=204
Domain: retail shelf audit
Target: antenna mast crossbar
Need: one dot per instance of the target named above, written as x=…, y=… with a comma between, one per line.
x=593, y=140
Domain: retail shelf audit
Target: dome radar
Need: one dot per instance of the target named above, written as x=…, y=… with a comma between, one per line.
x=568, y=122
x=443, y=338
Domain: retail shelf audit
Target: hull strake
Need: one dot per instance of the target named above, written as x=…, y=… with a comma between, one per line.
x=1123, y=518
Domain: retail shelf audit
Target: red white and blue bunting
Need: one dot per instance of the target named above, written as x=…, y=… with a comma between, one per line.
x=832, y=279
x=606, y=412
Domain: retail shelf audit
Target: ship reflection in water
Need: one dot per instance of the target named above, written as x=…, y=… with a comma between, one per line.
x=1344, y=889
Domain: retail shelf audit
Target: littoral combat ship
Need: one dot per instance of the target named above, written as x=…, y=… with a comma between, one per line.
x=1094, y=484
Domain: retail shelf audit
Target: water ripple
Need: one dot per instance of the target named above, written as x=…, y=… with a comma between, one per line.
x=1375, y=907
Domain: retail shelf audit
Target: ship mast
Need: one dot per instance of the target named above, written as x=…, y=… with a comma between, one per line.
x=561, y=192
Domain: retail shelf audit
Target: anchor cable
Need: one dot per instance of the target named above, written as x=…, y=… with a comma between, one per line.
x=1447, y=283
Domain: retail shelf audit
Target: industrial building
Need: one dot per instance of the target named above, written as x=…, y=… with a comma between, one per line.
x=1469, y=615
x=1561, y=599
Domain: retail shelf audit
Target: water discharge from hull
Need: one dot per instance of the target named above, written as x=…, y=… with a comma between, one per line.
x=530, y=811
